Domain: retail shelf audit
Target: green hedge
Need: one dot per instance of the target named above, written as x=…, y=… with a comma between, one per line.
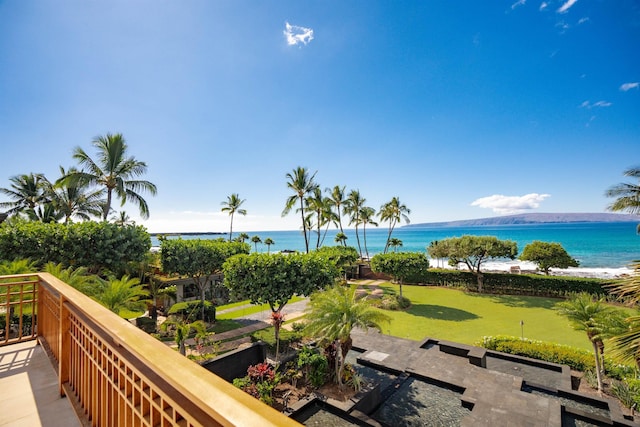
x=577, y=359
x=517, y=284
x=97, y=246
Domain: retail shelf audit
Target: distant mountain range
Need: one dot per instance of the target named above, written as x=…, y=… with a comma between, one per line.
x=534, y=218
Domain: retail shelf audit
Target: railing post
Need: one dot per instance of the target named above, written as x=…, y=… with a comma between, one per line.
x=64, y=346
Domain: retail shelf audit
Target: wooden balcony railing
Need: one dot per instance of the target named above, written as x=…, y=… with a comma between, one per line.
x=117, y=374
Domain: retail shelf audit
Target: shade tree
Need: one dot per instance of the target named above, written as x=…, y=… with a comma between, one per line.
x=400, y=265
x=547, y=255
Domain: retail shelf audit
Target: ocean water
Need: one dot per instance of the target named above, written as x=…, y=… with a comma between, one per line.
x=603, y=249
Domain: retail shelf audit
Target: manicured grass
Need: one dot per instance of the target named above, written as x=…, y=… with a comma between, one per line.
x=455, y=315
x=246, y=310
x=224, y=325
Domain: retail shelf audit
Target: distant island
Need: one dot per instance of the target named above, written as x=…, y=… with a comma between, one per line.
x=534, y=218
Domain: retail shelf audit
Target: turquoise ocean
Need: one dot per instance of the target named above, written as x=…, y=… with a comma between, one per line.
x=603, y=249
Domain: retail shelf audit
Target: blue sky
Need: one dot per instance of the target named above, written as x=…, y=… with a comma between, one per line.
x=461, y=109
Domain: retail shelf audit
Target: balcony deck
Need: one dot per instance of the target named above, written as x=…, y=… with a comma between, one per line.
x=30, y=393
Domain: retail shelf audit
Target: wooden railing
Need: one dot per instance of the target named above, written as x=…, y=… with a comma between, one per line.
x=120, y=376
x=18, y=295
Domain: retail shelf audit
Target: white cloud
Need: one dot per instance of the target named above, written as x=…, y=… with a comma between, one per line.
x=544, y=5
x=583, y=20
x=297, y=35
x=628, y=86
x=589, y=105
x=518, y=3
x=566, y=6
x=510, y=204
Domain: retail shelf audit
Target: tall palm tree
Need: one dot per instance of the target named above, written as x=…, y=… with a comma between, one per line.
x=336, y=199
x=341, y=238
x=269, y=241
x=301, y=183
x=321, y=207
x=75, y=200
x=589, y=315
x=232, y=205
x=353, y=207
x=627, y=194
x=393, y=211
x=626, y=346
x=242, y=237
x=256, y=240
x=332, y=315
x=366, y=216
x=113, y=171
x=27, y=191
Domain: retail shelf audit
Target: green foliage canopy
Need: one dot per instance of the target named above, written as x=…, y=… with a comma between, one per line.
x=400, y=265
x=547, y=255
x=275, y=278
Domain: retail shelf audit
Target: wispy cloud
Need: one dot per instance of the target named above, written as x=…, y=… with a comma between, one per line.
x=628, y=86
x=518, y=3
x=597, y=104
x=566, y=6
x=543, y=5
x=510, y=204
x=297, y=35
x=583, y=20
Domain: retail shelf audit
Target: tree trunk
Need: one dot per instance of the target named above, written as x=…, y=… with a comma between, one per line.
x=598, y=373
x=304, y=225
x=480, y=278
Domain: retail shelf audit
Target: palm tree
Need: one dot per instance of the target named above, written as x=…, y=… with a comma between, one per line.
x=366, y=216
x=113, y=171
x=341, y=238
x=352, y=207
x=321, y=207
x=332, y=315
x=336, y=199
x=394, y=242
x=27, y=193
x=45, y=213
x=121, y=218
x=232, y=205
x=124, y=293
x=393, y=211
x=256, y=240
x=589, y=315
x=242, y=237
x=269, y=241
x=182, y=331
x=626, y=346
x=79, y=278
x=627, y=194
x=301, y=184
x=74, y=200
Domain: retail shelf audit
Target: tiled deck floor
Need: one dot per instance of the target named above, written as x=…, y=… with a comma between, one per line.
x=29, y=389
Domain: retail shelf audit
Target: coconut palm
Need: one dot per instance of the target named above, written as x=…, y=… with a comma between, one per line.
x=341, y=238
x=336, y=199
x=74, y=200
x=232, y=205
x=627, y=194
x=27, y=192
x=113, y=171
x=394, y=243
x=321, y=208
x=589, y=315
x=79, y=278
x=352, y=207
x=626, y=346
x=269, y=241
x=332, y=315
x=256, y=240
x=242, y=237
x=392, y=212
x=123, y=293
x=366, y=216
x=301, y=183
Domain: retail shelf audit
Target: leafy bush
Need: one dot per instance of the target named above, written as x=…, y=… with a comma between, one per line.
x=517, y=284
x=191, y=310
x=393, y=302
x=578, y=359
x=260, y=382
x=268, y=337
x=97, y=246
x=314, y=365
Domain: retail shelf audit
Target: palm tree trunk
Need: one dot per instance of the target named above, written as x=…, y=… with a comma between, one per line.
x=598, y=373
x=364, y=235
x=358, y=240
x=231, y=228
x=304, y=225
x=107, y=206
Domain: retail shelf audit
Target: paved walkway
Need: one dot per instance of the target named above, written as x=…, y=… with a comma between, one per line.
x=29, y=389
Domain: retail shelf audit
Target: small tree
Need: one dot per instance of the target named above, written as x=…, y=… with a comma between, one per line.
x=547, y=255
x=124, y=293
x=473, y=251
x=255, y=240
x=400, y=265
x=275, y=279
x=333, y=314
x=198, y=259
x=182, y=330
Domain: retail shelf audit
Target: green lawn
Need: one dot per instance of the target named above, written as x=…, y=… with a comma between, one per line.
x=245, y=310
x=454, y=315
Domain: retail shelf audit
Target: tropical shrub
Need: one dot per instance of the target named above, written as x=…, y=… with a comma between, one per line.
x=314, y=365
x=260, y=381
x=190, y=310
